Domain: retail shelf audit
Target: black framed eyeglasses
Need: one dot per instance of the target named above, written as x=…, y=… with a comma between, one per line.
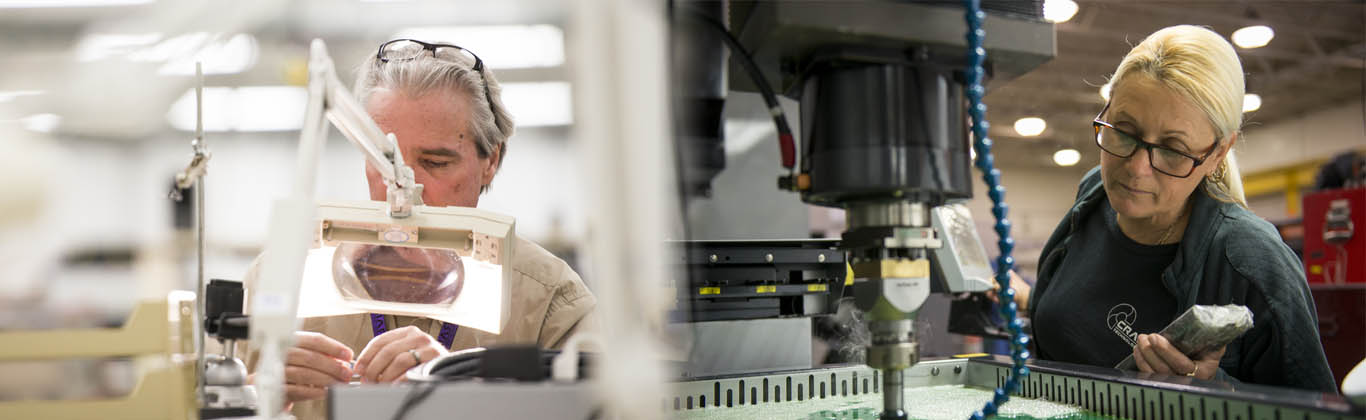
x=410, y=49
x=1164, y=159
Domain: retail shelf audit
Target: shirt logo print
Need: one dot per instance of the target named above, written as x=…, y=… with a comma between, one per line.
x=1121, y=320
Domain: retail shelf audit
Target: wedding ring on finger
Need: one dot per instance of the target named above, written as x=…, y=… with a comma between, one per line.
x=418, y=359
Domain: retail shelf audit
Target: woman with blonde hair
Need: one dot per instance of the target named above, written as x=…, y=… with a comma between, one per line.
x=1162, y=225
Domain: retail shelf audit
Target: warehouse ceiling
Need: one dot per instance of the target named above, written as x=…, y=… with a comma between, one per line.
x=1315, y=61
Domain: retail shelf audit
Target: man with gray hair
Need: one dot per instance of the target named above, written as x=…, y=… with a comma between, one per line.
x=443, y=105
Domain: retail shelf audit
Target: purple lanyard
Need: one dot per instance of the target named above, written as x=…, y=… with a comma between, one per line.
x=446, y=337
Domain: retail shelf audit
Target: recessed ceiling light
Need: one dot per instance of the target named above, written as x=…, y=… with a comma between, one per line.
x=1066, y=157
x=1030, y=126
x=1058, y=11
x=1253, y=36
x=1252, y=102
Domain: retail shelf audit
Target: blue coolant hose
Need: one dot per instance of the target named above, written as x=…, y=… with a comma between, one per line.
x=1019, y=343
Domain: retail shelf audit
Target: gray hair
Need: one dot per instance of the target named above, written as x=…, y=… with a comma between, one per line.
x=449, y=70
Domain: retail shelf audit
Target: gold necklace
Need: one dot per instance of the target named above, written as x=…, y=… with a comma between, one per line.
x=1169, y=231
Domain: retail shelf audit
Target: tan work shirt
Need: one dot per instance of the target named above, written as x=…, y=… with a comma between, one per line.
x=549, y=303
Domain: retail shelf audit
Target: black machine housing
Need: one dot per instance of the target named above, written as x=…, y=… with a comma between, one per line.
x=732, y=280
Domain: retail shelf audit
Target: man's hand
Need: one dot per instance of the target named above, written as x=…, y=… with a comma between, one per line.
x=388, y=356
x=1155, y=354
x=315, y=362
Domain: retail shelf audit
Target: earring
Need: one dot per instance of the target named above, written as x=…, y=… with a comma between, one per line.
x=1219, y=173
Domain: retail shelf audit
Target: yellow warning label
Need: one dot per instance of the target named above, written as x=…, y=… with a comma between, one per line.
x=709, y=291
x=815, y=288
x=766, y=289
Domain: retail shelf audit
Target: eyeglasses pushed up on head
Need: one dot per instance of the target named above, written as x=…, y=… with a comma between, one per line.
x=410, y=49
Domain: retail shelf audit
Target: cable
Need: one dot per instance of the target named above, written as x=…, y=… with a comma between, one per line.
x=1019, y=342
x=415, y=396
x=786, y=141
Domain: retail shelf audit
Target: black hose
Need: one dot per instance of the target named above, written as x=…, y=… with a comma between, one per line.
x=786, y=142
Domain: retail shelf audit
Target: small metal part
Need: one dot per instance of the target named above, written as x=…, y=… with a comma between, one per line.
x=224, y=371
x=820, y=258
x=768, y=257
x=923, y=237
x=890, y=213
x=893, y=345
x=958, y=370
x=713, y=258
x=893, y=356
x=934, y=371
x=893, y=395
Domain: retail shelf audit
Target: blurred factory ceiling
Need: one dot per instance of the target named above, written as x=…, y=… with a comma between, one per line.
x=125, y=99
x=1316, y=59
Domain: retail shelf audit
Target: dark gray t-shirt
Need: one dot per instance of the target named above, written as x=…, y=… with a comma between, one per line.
x=1107, y=290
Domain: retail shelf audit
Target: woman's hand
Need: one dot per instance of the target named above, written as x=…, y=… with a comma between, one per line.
x=1157, y=355
x=1021, y=287
x=386, y=357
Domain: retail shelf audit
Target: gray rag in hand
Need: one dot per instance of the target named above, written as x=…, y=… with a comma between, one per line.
x=1202, y=329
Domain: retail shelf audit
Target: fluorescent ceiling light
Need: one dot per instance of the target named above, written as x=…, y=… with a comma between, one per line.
x=501, y=46
x=1066, y=157
x=252, y=108
x=11, y=95
x=42, y=123
x=270, y=108
x=1253, y=36
x=221, y=54
x=230, y=56
x=96, y=47
x=180, y=45
x=1058, y=11
x=1030, y=126
x=1252, y=102
x=1105, y=91
x=539, y=103
x=24, y=4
